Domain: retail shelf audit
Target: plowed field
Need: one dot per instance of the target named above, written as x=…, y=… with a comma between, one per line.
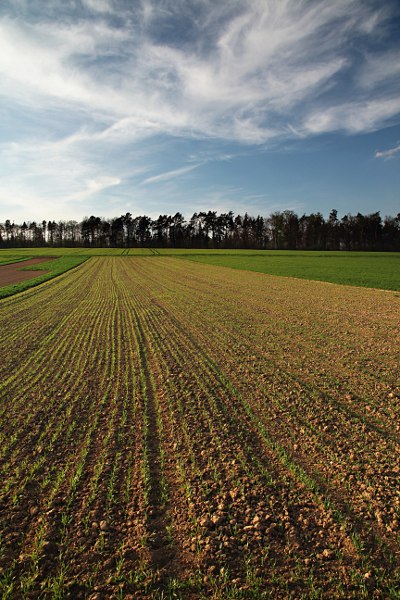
x=12, y=273
x=171, y=430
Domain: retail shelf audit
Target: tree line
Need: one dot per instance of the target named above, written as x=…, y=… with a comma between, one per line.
x=280, y=231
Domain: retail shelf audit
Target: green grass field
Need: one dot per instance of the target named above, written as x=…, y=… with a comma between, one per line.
x=7, y=258
x=379, y=270
x=366, y=269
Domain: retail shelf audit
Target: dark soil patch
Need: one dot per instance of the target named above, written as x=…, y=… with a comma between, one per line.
x=13, y=273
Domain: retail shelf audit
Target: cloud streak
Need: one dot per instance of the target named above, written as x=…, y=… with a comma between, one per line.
x=262, y=69
x=391, y=153
x=86, y=86
x=170, y=174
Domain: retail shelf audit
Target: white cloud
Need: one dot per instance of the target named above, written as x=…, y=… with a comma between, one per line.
x=38, y=69
x=51, y=178
x=383, y=69
x=170, y=174
x=264, y=67
x=85, y=93
x=391, y=153
x=101, y=6
x=94, y=185
x=353, y=117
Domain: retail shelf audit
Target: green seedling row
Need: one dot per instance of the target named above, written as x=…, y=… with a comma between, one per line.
x=171, y=430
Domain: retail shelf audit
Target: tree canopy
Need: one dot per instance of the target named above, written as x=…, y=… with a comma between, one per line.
x=280, y=231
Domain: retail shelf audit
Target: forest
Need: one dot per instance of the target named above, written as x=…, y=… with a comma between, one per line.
x=280, y=231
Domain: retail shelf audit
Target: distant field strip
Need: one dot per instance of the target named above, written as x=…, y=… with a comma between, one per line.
x=379, y=270
x=15, y=272
x=167, y=428
x=21, y=276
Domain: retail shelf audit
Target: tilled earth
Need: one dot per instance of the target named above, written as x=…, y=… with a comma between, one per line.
x=171, y=430
x=12, y=272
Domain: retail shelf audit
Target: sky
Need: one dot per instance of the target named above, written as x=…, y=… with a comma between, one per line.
x=163, y=106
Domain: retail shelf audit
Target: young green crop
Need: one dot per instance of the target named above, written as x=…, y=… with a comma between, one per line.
x=176, y=429
x=366, y=269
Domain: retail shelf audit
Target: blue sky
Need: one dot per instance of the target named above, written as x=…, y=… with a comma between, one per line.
x=159, y=106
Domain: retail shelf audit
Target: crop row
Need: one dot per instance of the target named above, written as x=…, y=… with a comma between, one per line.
x=174, y=430
x=72, y=446
x=337, y=447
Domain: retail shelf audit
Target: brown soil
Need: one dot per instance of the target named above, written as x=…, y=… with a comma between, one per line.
x=172, y=432
x=13, y=273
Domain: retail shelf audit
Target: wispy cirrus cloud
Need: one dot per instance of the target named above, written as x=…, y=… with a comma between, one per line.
x=353, y=117
x=89, y=84
x=382, y=69
x=170, y=174
x=391, y=153
x=260, y=71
